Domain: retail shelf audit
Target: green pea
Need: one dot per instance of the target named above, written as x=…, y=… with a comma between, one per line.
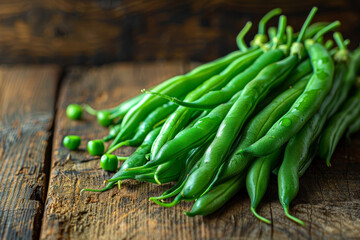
x=109, y=162
x=74, y=111
x=96, y=147
x=72, y=142
x=104, y=118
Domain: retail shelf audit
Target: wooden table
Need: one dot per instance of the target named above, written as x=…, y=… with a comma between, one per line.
x=41, y=180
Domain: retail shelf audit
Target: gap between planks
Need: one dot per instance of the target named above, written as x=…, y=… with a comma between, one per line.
x=48, y=157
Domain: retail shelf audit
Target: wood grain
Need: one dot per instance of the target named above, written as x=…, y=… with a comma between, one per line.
x=328, y=201
x=97, y=32
x=27, y=97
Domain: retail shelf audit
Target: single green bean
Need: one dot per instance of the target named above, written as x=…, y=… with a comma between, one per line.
x=258, y=177
x=217, y=197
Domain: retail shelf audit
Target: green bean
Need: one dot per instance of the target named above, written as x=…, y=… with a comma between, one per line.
x=163, y=173
x=172, y=168
x=113, y=131
x=258, y=177
x=217, y=197
x=288, y=178
x=298, y=147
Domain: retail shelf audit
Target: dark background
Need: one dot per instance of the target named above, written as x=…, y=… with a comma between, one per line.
x=69, y=32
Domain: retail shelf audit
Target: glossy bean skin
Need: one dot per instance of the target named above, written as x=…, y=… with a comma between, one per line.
x=177, y=86
x=214, y=98
x=257, y=127
x=192, y=163
x=164, y=173
x=120, y=111
x=297, y=150
x=194, y=136
x=305, y=106
x=339, y=99
x=301, y=70
x=230, y=127
x=109, y=162
x=354, y=70
x=96, y=147
x=72, y=142
x=288, y=180
x=338, y=125
x=135, y=160
x=216, y=197
x=145, y=127
x=113, y=131
x=257, y=179
x=74, y=111
x=181, y=116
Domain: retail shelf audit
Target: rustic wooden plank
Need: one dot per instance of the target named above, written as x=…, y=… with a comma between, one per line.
x=98, y=32
x=27, y=98
x=328, y=201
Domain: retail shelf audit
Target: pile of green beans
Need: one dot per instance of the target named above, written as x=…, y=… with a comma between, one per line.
x=270, y=107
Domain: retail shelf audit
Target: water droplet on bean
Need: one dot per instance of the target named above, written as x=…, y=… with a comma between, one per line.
x=286, y=122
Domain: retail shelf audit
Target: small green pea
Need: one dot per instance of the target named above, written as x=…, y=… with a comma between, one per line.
x=109, y=162
x=96, y=147
x=104, y=119
x=74, y=111
x=72, y=142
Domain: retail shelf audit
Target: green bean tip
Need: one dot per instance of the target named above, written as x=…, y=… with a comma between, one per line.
x=291, y=217
x=265, y=220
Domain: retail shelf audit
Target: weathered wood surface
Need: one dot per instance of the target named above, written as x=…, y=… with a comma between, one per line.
x=98, y=32
x=329, y=198
x=27, y=98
